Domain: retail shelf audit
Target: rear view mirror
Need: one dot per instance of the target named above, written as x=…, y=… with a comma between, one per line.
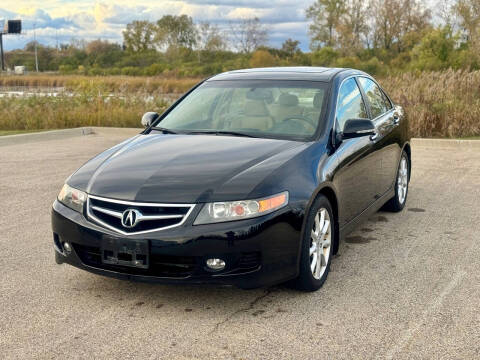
x=149, y=118
x=358, y=127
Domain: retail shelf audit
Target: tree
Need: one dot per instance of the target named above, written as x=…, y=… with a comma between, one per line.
x=248, y=35
x=352, y=28
x=209, y=38
x=175, y=32
x=394, y=19
x=469, y=13
x=325, y=16
x=138, y=36
x=262, y=58
x=290, y=46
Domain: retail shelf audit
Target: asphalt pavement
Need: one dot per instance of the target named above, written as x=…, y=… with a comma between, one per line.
x=403, y=286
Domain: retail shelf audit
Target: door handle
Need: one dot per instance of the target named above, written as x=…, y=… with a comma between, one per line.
x=374, y=137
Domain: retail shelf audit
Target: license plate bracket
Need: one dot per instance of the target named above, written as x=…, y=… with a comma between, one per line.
x=126, y=252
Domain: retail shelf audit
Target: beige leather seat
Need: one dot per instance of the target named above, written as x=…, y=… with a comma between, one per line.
x=314, y=113
x=286, y=107
x=256, y=116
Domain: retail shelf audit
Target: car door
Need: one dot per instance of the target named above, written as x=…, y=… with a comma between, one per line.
x=386, y=122
x=359, y=161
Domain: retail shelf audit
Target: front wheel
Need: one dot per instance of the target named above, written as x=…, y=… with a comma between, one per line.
x=397, y=203
x=317, y=246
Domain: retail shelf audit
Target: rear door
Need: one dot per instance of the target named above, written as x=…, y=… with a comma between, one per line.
x=386, y=120
x=359, y=158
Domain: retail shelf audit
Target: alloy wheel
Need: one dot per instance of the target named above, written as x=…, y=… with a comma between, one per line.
x=402, y=180
x=320, y=243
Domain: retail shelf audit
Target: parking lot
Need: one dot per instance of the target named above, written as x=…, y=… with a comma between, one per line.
x=403, y=286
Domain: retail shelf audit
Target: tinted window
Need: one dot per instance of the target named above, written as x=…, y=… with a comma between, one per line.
x=270, y=108
x=379, y=103
x=350, y=104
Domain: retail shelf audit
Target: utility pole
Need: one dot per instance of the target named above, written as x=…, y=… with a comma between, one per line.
x=1, y=51
x=35, y=43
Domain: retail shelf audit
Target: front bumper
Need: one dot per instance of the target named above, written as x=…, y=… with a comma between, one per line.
x=258, y=252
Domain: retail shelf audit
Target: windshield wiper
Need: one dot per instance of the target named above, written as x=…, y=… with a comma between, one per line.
x=164, y=130
x=221, y=132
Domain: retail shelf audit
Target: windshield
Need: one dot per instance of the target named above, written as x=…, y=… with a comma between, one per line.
x=260, y=108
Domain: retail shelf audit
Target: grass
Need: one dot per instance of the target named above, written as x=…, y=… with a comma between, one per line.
x=113, y=84
x=442, y=104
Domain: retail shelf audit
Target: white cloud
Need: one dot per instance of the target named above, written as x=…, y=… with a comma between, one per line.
x=92, y=19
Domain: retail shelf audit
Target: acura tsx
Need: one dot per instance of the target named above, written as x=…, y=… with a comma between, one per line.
x=252, y=178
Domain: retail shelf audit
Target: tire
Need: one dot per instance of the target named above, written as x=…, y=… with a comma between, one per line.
x=307, y=281
x=397, y=203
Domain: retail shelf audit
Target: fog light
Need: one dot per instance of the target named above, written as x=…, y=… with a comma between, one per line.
x=67, y=247
x=216, y=264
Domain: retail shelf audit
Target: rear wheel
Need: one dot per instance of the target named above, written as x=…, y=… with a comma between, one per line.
x=397, y=203
x=317, y=246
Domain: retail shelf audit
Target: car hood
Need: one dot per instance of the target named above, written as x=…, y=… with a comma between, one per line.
x=183, y=168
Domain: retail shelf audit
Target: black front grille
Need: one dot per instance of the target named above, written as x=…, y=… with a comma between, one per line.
x=149, y=216
x=160, y=265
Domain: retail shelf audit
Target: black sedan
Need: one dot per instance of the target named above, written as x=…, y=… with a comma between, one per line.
x=252, y=178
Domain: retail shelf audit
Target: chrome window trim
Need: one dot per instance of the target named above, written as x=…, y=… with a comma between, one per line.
x=90, y=216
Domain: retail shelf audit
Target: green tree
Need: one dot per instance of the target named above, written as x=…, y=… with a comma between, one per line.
x=469, y=13
x=138, y=36
x=290, y=47
x=176, y=32
x=325, y=16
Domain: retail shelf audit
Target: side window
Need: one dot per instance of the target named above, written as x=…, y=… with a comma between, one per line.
x=350, y=104
x=379, y=103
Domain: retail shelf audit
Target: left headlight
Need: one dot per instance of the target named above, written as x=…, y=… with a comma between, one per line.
x=239, y=210
x=72, y=198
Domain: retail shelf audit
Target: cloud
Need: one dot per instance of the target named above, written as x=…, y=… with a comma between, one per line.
x=63, y=20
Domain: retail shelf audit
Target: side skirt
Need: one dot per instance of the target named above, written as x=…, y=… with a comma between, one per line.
x=365, y=214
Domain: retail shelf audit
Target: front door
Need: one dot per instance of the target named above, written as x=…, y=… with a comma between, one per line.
x=357, y=178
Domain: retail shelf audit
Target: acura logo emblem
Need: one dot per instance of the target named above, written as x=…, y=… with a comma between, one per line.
x=130, y=218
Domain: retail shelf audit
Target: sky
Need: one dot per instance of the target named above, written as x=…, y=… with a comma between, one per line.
x=64, y=20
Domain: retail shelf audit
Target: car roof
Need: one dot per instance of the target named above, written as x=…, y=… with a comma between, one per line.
x=310, y=73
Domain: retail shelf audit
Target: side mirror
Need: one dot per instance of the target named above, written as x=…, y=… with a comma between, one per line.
x=358, y=127
x=149, y=118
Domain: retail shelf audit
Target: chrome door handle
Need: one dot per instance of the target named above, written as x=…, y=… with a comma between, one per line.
x=374, y=137
x=396, y=119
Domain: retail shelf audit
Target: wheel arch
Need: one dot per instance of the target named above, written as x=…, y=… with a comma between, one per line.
x=329, y=192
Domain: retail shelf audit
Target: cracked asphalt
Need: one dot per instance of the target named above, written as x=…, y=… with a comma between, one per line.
x=404, y=286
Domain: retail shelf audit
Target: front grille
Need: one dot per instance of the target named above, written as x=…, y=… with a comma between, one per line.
x=146, y=217
x=160, y=265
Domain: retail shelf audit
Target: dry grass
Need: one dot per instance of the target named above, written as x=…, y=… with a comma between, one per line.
x=124, y=84
x=438, y=104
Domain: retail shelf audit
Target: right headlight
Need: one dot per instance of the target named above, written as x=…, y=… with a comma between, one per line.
x=73, y=198
x=238, y=210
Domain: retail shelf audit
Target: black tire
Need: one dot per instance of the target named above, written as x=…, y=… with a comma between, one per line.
x=395, y=204
x=306, y=281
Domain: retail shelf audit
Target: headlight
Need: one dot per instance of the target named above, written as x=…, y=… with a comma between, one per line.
x=72, y=198
x=239, y=210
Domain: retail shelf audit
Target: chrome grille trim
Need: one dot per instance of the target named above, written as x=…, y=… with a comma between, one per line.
x=118, y=214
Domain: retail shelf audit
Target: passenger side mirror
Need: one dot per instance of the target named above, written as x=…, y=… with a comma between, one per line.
x=149, y=118
x=358, y=127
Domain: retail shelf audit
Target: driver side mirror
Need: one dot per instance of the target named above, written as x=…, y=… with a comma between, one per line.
x=358, y=127
x=149, y=118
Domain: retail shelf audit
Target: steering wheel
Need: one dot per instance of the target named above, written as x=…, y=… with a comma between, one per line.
x=305, y=122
